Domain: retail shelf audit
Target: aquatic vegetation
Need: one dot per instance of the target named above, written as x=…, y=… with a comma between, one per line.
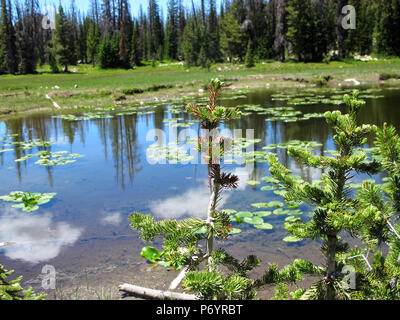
x=48, y=158
x=28, y=201
x=253, y=182
x=171, y=152
x=84, y=116
x=252, y=218
x=27, y=145
x=294, y=143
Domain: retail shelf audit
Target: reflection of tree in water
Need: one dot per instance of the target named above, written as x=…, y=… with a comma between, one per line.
x=123, y=135
x=125, y=149
x=310, y=130
x=27, y=129
x=71, y=128
x=121, y=131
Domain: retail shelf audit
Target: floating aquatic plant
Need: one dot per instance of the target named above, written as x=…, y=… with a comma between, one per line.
x=48, y=158
x=27, y=201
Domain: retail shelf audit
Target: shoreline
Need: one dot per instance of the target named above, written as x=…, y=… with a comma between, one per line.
x=33, y=100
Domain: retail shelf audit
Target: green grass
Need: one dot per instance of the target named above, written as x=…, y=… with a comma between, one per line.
x=102, y=87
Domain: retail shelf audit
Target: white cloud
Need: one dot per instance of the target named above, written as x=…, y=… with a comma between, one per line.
x=35, y=236
x=113, y=218
x=194, y=202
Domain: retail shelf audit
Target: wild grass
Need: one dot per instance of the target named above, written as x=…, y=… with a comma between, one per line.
x=86, y=85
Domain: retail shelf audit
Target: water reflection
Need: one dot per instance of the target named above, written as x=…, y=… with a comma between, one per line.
x=35, y=238
x=111, y=218
x=194, y=202
x=124, y=136
x=113, y=179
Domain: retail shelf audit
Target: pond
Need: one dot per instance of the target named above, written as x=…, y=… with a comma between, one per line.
x=102, y=172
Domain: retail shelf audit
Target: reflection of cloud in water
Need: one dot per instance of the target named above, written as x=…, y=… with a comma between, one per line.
x=307, y=173
x=36, y=237
x=113, y=218
x=193, y=202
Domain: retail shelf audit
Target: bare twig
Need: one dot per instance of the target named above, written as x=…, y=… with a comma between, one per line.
x=155, y=294
x=175, y=283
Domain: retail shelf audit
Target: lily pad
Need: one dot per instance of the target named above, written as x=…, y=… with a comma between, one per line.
x=27, y=201
x=253, y=220
x=268, y=188
x=244, y=214
x=150, y=253
x=253, y=182
x=292, y=239
x=264, y=226
x=235, y=231
x=281, y=212
x=262, y=214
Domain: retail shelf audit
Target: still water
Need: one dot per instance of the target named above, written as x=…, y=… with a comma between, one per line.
x=84, y=231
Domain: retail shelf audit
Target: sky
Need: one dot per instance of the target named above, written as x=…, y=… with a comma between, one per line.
x=83, y=5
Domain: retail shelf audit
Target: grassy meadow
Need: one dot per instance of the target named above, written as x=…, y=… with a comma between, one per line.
x=91, y=86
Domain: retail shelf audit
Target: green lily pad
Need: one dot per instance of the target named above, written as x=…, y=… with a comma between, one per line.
x=275, y=204
x=244, y=214
x=235, y=231
x=268, y=188
x=253, y=182
x=292, y=239
x=260, y=205
x=281, y=212
x=264, y=226
x=229, y=211
x=150, y=253
x=27, y=201
x=295, y=213
x=291, y=219
x=262, y=214
x=253, y=220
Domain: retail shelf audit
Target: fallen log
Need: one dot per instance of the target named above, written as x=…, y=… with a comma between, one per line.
x=155, y=294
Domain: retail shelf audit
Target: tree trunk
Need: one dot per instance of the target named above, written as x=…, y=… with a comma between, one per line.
x=331, y=267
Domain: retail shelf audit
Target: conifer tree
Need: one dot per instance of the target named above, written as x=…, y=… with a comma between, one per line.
x=63, y=40
x=232, y=38
x=8, y=49
x=335, y=209
x=27, y=28
x=136, y=54
x=92, y=41
x=213, y=34
x=171, y=37
x=388, y=22
x=299, y=22
x=190, y=43
x=12, y=290
x=123, y=47
x=52, y=57
x=156, y=31
x=108, y=52
x=379, y=206
x=249, y=60
x=281, y=29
